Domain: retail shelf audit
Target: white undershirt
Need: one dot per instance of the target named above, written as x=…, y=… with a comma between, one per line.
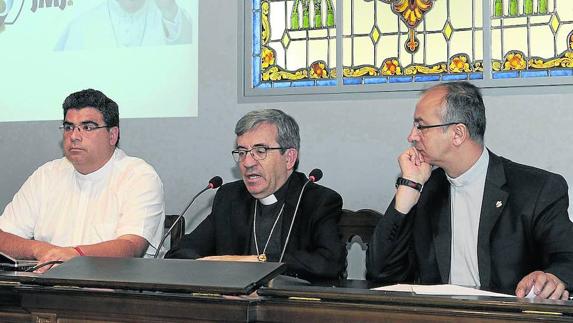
x=466, y=195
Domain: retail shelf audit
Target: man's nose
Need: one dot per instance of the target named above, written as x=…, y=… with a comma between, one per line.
x=414, y=135
x=249, y=160
x=76, y=134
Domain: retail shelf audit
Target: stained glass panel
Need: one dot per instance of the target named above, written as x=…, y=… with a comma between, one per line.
x=388, y=41
x=409, y=41
x=532, y=38
x=294, y=43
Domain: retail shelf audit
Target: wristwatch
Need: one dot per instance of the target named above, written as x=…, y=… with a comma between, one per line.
x=409, y=183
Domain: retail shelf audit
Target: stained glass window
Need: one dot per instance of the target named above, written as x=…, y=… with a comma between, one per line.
x=295, y=42
x=532, y=38
x=412, y=41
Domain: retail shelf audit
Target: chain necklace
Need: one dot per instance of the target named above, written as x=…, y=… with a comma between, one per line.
x=263, y=256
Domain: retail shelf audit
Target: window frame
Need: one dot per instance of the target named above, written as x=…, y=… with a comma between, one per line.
x=247, y=93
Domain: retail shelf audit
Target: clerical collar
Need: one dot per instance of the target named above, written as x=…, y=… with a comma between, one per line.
x=279, y=195
x=471, y=175
x=269, y=200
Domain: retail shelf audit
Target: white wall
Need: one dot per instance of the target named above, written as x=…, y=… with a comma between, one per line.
x=355, y=141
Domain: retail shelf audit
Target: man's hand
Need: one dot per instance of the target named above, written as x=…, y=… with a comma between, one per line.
x=414, y=168
x=252, y=258
x=54, y=253
x=168, y=8
x=545, y=285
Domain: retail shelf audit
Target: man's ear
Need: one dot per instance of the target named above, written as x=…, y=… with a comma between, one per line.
x=291, y=156
x=461, y=134
x=113, y=135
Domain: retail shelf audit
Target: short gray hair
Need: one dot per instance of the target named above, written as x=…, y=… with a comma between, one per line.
x=463, y=103
x=287, y=129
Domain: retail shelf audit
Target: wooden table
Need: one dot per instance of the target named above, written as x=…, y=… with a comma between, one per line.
x=351, y=303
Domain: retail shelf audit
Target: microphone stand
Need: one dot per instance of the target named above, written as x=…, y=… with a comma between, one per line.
x=177, y=220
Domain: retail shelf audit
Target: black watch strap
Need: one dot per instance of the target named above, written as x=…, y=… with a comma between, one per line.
x=409, y=183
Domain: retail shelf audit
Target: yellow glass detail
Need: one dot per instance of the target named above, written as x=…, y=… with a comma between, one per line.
x=554, y=23
x=459, y=64
x=318, y=70
x=565, y=61
x=412, y=11
x=265, y=24
x=391, y=66
x=267, y=57
x=375, y=34
x=447, y=30
x=435, y=69
x=514, y=61
x=275, y=73
x=285, y=39
x=361, y=71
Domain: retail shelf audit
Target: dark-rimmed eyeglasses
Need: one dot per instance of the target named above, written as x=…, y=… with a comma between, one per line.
x=422, y=127
x=257, y=152
x=84, y=127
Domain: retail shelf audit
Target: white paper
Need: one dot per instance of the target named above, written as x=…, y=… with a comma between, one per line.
x=531, y=293
x=444, y=289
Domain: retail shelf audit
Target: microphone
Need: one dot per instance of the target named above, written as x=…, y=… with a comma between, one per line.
x=315, y=175
x=214, y=183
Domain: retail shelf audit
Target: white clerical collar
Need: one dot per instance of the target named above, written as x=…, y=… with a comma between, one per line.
x=478, y=169
x=269, y=200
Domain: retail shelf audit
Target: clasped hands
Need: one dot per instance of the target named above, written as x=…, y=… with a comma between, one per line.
x=48, y=253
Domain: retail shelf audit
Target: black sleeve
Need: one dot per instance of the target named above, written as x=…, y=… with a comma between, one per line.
x=324, y=257
x=201, y=241
x=553, y=229
x=390, y=255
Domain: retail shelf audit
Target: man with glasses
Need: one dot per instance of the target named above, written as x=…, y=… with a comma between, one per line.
x=476, y=219
x=266, y=216
x=96, y=201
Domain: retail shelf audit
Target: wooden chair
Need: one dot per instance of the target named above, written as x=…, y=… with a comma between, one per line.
x=356, y=228
x=359, y=223
x=178, y=231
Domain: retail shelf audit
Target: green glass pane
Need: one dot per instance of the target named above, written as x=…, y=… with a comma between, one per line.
x=299, y=46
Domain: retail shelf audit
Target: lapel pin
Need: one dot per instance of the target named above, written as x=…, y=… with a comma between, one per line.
x=498, y=204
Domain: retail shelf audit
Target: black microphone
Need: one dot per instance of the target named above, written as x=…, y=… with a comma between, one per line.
x=315, y=175
x=214, y=183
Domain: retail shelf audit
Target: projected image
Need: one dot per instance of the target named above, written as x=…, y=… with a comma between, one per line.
x=5, y=6
x=128, y=23
x=143, y=53
x=7, y=14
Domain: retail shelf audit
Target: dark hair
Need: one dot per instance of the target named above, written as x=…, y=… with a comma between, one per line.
x=463, y=103
x=287, y=129
x=91, y=98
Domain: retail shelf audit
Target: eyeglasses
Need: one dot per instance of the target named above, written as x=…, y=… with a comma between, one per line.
x=257, y=152
x=421, y=127
x=84, y=127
